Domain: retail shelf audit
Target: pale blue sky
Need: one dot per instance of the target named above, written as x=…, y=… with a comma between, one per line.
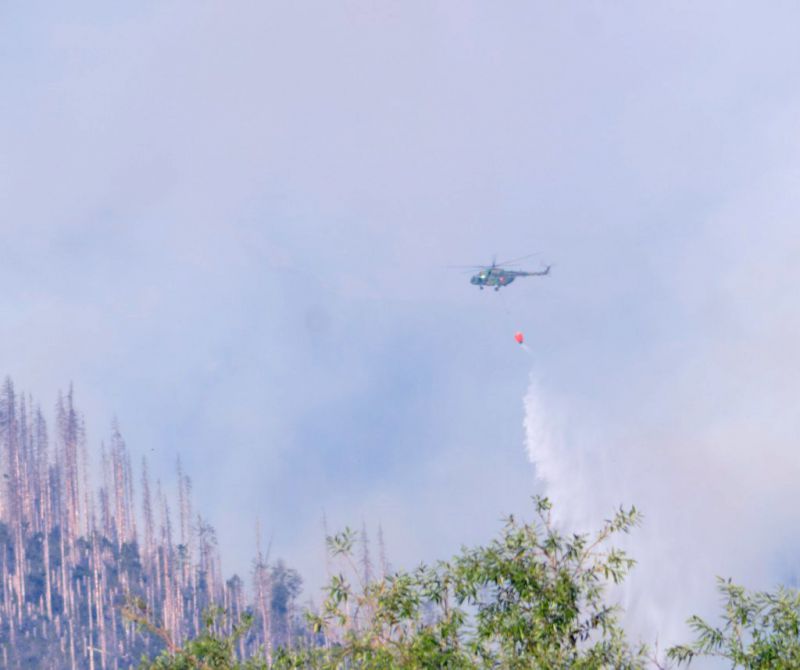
x=228, y=224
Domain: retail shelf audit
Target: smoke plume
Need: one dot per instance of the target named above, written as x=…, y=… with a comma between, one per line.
x=705, y=514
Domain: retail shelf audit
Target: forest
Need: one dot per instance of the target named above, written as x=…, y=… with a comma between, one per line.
x=72, y=558
x=103, y=579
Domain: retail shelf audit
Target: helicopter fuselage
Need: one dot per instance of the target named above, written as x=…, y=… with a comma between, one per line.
x=498, y=277
x=495, y=277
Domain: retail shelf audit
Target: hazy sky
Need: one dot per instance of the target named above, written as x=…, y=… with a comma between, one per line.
x=228, y=224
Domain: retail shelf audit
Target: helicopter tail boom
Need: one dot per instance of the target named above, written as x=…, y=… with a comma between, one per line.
x=543, y=273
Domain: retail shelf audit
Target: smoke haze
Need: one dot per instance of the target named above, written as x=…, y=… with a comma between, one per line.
x=227, y=224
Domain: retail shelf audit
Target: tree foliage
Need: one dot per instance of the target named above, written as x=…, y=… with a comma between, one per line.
x=532, y=598
x=207, y=651
x=759, y=631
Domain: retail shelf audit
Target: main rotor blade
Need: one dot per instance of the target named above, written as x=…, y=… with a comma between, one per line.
x=517, y=260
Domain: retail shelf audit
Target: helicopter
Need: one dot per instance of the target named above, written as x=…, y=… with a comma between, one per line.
x=497, y=276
